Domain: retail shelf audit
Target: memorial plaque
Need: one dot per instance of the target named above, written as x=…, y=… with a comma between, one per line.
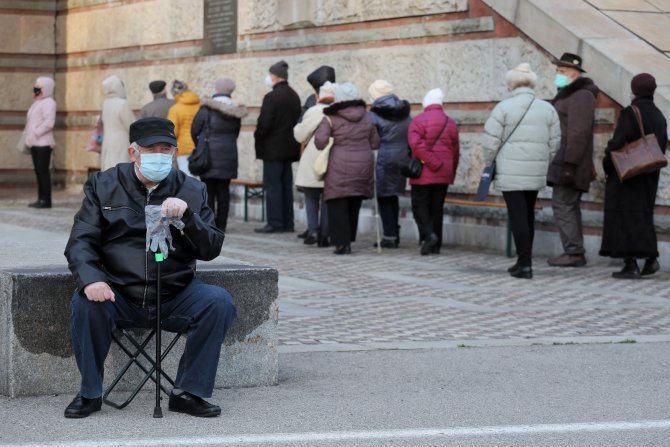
x=220, y=36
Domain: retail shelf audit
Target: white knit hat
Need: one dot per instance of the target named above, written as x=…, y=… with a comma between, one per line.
x=380, y=88
x=521, y=75
x=434, y=96
x=346, y=92
x=327, y=90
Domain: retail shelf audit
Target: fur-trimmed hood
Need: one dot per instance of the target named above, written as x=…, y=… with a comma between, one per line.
x=234, y=110
x=576, y=85
x=353, y=110
x=391, y=108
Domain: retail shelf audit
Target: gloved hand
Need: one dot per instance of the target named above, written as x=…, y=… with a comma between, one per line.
x=158, y=229
x=569, y=174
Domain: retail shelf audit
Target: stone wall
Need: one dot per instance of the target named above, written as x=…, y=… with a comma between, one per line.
x=463, y=46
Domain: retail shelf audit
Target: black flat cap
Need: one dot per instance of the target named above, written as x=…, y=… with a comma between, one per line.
x=148, y=131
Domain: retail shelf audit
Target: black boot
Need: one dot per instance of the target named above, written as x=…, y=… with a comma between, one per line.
x=651, y=266
x=630, y=270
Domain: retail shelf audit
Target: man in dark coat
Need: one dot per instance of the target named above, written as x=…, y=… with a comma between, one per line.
x=571, y=171
x=159, y=107
x=116, y=281
x=277, y=148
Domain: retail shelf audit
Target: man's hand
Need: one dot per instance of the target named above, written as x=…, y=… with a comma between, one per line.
x=173, y=207
x=99, y=291
x=569, y=174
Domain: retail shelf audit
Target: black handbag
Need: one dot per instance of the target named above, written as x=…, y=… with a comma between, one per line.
x=199, y=162
x=413, y=167
x=490, y=171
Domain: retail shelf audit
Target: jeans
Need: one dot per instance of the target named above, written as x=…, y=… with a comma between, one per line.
x=343, y=219
x=278, y=186
x=41, y=159
x=202, y=311
x=428, y=209
x=389, y=210
x=566, y=204
x=313, y=204
x=521, y=212
x=218, y=199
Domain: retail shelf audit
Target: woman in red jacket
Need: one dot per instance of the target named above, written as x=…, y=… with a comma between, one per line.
x=433, y=138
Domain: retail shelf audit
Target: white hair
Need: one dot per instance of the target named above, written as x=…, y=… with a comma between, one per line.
x=521, y=76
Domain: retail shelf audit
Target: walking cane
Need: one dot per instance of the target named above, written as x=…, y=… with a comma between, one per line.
x=158, y=413
x=374, y=178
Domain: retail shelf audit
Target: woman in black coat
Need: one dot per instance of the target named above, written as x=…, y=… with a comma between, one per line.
x=219, y=119
x=628, y=228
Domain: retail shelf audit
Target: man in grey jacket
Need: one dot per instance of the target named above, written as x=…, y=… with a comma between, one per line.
x=158, y=108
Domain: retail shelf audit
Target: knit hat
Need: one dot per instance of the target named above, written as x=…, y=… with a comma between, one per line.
x=521, y=75
x=643, y=84
x=320, y=76
x=346, y=92
x=434, y=96
x=280, y=69
x=224, y=86
x=327, y=90
x=178, y=87
x=380, y=88
x=156, y=86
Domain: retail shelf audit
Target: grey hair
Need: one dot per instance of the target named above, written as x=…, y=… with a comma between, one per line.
x=135, y=146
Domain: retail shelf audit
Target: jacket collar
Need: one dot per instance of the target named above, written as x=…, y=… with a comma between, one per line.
x=337, y=106
x=577, y=84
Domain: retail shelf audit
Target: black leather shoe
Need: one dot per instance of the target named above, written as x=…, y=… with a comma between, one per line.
x=303, y=235
x=342, y=249
x=193, y=405
x=268, y=229
x=82, y=407
x=430, y=242
x=323, y=242
x=40, y=204
x=522, y=272
x=387, y=243
x=630, y=270
x=311, y=239
x=651, y=266
x=514, y=268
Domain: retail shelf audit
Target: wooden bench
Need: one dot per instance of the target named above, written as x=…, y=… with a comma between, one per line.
x=489, y=204
x=252, y=190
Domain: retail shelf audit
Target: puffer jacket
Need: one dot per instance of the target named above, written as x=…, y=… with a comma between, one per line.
x=521, y=164
x=304, y=133
x=181, y=114
x=108, y=238
x=351, y=161
x=41, y=117
x=440, y=162
x=391, y=117
x=575, y=105
x=224, y=119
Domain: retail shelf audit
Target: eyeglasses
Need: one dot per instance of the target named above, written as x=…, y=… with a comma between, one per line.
x=158, y=148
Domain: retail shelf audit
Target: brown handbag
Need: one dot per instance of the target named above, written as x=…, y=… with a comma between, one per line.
x=640, y=156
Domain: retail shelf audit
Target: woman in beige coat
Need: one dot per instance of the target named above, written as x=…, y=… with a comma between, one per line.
x=117, y=116
x=306, y=180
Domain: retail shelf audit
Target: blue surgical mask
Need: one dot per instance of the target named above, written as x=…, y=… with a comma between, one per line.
x=561, y=80
x=155, y=167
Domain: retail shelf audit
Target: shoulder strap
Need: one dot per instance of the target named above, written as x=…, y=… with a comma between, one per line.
x=515, y=126
x=440, y=134
x=638, y=118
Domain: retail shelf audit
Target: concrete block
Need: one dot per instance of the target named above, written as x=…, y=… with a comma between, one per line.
x=35, y=351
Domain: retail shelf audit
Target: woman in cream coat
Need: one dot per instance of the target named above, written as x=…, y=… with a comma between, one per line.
x=521, y=164
x=312, y=188
x=117, y=116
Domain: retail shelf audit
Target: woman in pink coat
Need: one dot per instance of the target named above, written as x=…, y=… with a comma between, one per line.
x=433, y=138
x=40, y=137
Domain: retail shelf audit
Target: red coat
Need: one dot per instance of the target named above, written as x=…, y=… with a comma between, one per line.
x=441, y=161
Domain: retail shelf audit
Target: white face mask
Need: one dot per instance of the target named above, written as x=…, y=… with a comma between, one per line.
x=268, y=81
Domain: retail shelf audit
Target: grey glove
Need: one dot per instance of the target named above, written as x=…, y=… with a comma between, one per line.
x=158, y=229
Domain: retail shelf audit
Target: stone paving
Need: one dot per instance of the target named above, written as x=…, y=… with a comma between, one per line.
x=401, y=297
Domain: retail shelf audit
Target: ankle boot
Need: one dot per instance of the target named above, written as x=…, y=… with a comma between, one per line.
x=630, y=270
x=651, y=266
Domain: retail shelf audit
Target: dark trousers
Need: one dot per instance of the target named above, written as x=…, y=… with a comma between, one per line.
x=41, y=160
x=428, y=209
x=389, y=209
x=218, y=199
x=316, y=211
x=343, y=219
x=204, y=312
x=278, y=186
x=566, y=204
x=521, y=214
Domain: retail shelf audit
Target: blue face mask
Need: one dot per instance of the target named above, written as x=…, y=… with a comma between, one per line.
x=561, y=81
x=155, y=167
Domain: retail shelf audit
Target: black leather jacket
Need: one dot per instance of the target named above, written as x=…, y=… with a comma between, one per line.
x=108, y=239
